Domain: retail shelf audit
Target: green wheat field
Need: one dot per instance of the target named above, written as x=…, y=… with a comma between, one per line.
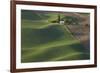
x=45, y=39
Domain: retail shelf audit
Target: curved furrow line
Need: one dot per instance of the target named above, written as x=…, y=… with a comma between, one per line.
x=67, y=56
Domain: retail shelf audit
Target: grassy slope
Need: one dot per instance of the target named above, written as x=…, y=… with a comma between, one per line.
x=43, y=41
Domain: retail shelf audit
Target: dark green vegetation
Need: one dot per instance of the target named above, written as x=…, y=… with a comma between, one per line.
x=43, y=40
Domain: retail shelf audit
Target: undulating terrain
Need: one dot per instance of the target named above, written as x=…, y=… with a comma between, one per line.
x=48, y=36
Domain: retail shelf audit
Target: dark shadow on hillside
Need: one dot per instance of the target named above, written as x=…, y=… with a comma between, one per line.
x=32, y=37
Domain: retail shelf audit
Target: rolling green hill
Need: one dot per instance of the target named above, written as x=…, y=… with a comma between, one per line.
x=44, y=41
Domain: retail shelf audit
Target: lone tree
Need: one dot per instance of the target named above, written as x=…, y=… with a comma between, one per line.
x=58, y=18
